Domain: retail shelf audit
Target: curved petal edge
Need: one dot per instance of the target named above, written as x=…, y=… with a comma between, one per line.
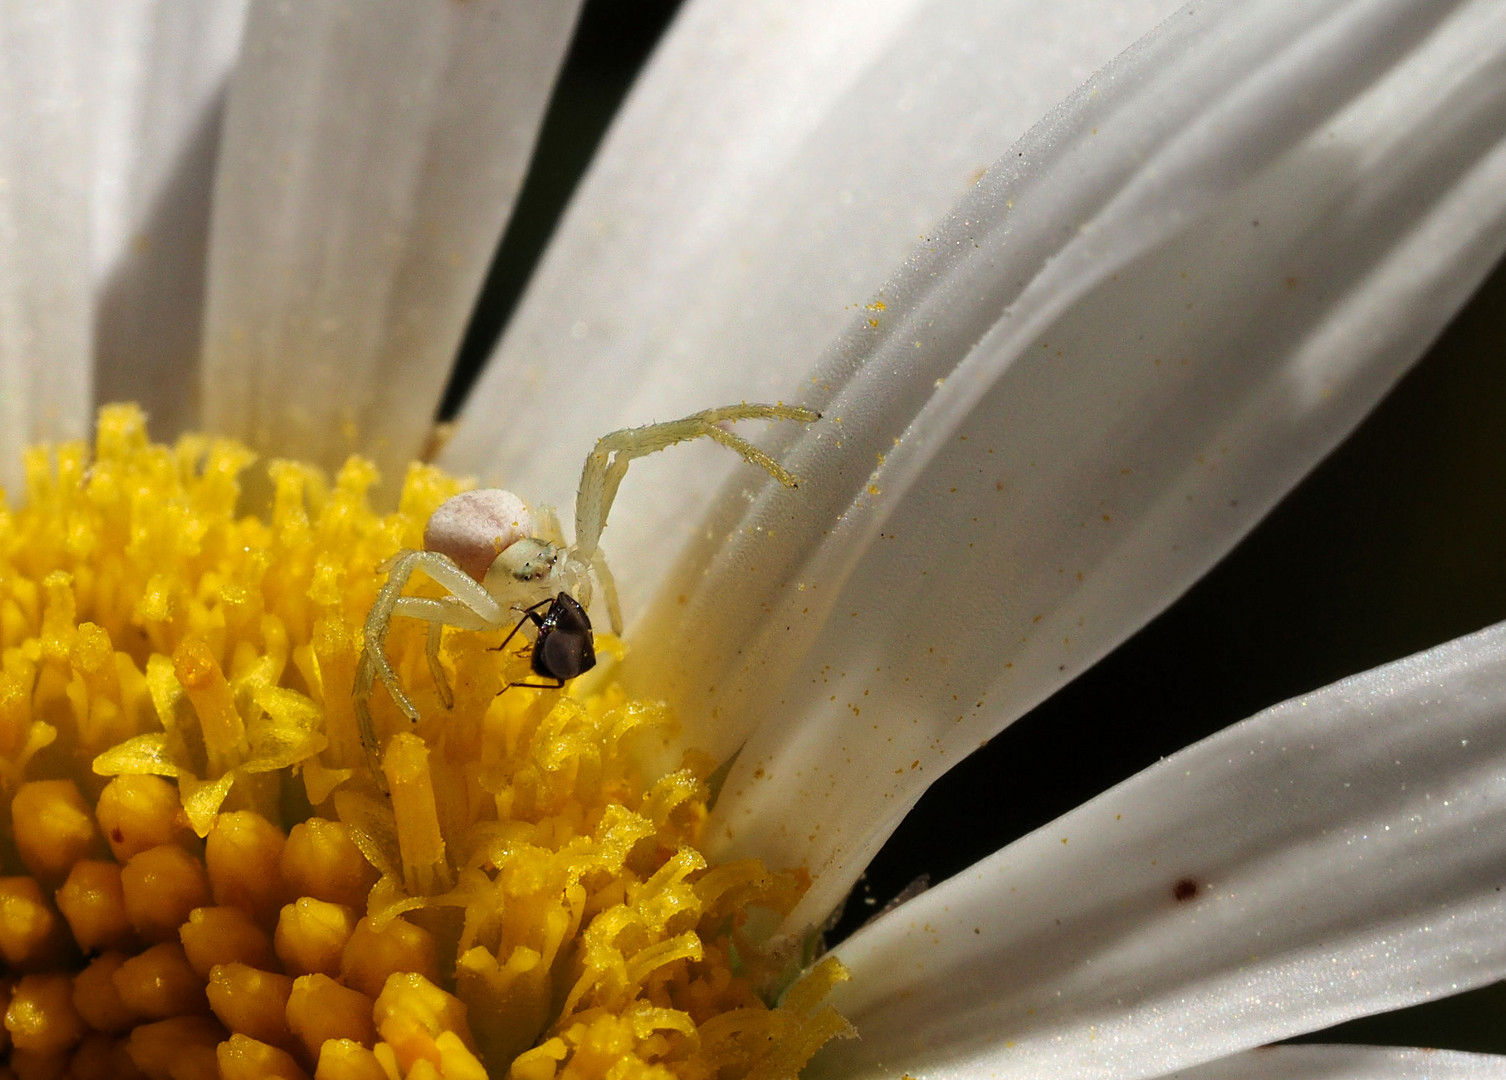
x=1161, y=309
x=1338, y=855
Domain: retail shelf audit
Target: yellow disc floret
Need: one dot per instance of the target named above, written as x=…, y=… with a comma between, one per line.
x=199, y=875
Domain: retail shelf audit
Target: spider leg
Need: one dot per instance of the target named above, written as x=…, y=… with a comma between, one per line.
x=439, y=613
x=464, y=590
x=608, y=462
x=373, y=661
x=469, y=606
x=547, y=525
x=448, y=611
x=608, y=589
x=436, y=670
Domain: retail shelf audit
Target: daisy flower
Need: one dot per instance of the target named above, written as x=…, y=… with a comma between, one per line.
x=1080, y=292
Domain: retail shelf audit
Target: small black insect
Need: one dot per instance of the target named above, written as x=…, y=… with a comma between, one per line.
x=564, y=647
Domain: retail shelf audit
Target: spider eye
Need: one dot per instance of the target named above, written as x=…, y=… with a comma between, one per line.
x=526, y=560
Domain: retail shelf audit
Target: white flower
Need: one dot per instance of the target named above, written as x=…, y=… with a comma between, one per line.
x=1159, y=307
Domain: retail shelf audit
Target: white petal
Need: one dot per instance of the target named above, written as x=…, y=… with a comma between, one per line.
x=775, y=161
x=1187, y=287
x=1341, y=854
x=156, y=90
x=371, y=154
x=44, y=230
x=1349, y=1063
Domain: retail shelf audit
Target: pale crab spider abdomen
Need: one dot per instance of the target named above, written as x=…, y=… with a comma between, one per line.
x=502, y=571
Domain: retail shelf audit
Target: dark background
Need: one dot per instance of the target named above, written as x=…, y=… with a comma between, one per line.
x=1395, y=543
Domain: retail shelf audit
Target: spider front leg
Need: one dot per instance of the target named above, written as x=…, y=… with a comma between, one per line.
x=469, y=606
x=608, y=462
x=439, y=613
x=373, y=660
x=436, y=669
x=608, y=590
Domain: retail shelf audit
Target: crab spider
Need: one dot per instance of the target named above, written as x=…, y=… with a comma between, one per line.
x=500, y=572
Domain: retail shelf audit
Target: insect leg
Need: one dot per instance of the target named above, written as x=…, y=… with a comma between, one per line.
x=558, y=684
x=530, y=614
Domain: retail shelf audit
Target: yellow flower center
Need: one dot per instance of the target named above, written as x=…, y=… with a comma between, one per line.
x=204, y=879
